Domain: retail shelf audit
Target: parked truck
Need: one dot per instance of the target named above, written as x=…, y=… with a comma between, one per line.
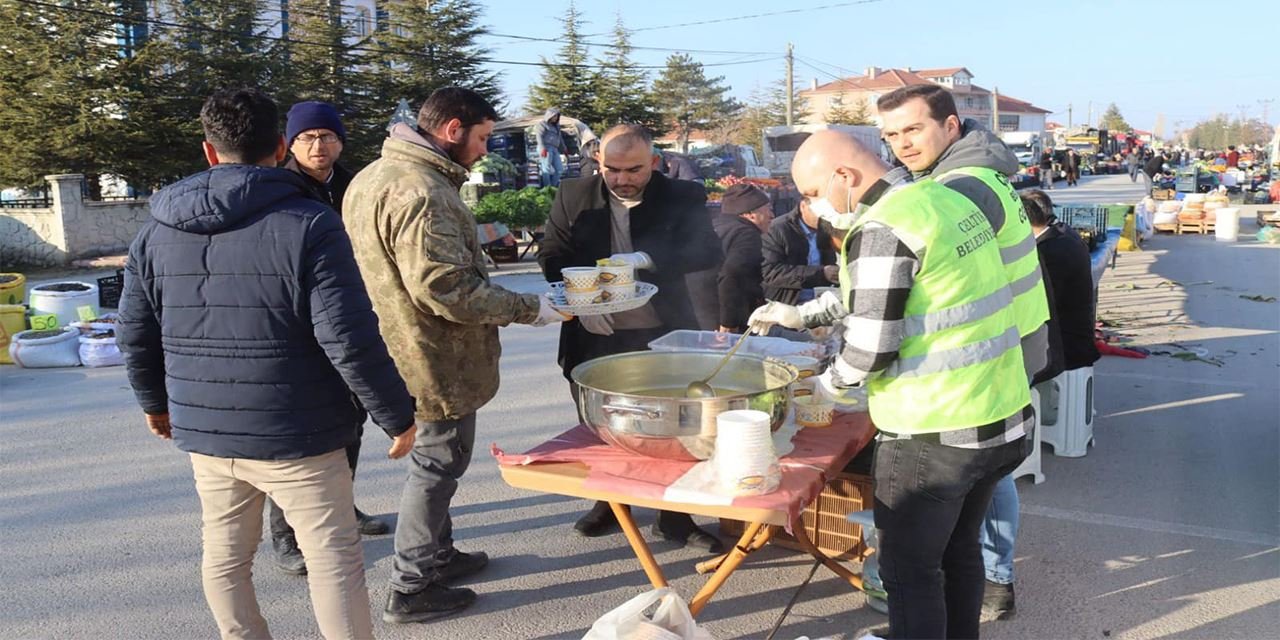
x=780, y=143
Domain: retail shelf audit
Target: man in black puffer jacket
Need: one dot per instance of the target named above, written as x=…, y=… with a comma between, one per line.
x=246, y=328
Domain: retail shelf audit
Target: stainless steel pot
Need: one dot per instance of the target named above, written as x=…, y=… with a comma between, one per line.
x=636, y=401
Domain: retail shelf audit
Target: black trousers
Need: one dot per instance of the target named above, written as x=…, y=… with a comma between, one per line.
x=275, y=515
x=929, y=507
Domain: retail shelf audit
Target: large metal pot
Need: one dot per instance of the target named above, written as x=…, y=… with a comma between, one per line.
x=636, y=401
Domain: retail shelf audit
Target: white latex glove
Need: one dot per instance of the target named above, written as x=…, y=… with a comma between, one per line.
x=775, y=313
x=601, y=325
x=548, y=314
x=638, y=259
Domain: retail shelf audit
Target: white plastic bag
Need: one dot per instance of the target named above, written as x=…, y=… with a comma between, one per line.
x=660, y=614
x=100, y=352
x=60, y=350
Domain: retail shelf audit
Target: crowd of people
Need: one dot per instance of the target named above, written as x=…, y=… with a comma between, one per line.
x=270, y=309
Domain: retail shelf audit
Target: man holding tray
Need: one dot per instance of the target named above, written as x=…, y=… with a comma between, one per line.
x=631, y=214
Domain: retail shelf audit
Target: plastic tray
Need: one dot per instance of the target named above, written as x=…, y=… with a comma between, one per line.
x=644, y=291
x=684, y=340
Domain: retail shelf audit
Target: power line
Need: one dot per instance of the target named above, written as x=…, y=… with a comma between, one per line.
x=836, y=5
x=329, y=45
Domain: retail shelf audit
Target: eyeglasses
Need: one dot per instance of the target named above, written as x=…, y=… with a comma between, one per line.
x=307, y=139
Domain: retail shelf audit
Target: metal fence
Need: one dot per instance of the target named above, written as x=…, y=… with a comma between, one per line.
x=27, y=203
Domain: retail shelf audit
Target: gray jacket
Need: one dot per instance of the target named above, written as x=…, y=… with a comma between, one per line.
x=549, y=135
x=978, y=147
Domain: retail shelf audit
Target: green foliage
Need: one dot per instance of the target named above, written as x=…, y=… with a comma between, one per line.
x=767, y=107
x=529, y=207
x=567, y=83
x=1219, y=132
x=841, y=113
x=432, y=44
x=495, y=164
x=687, y=99
x=1113, y=121
x=622, y=88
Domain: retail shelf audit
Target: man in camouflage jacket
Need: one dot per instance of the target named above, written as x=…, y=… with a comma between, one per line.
x=416, y=244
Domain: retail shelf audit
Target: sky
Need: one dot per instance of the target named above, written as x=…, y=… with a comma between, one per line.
x=1186, y=60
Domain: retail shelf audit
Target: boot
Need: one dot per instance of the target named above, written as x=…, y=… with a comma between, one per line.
x=435, y=601
x=599, y=521
x=369, y=525
x=679, y=527
x=288, y=556
x=997, y=601
x=462, y=565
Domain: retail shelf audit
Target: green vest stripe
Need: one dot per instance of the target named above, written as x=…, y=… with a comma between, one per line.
x=1017, y=250
x=936, y=321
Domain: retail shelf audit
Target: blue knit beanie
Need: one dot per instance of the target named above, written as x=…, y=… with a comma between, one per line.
x=305, y=116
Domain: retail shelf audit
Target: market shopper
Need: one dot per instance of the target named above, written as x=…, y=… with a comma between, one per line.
x=924, y=130
x=930, y=329
x=1153, y=168
x=1072, y=165
x=315, y=135
x=745, y=214
x=417, y=248
x=632, y=213
x=1134, y=164
x=550, y=143
x=246, y=329
x=1046, y=169
x=1067, y=268
x=798, y=256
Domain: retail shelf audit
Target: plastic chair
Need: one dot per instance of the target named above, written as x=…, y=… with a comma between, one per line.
x=1031, y=466
x=1067, y=420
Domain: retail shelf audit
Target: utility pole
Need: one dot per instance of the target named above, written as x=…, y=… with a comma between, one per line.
x=1266, y=110
x=1068, y=116
x=791, y=63
x=995, y=111
x=1090, y=123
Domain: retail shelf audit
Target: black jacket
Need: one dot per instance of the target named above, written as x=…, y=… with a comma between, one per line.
x=671, y=225
x=330, y=193
x=1066, y=266
x=786, y=269
x=245, y=318
x=738, y=284
x=1154, y=165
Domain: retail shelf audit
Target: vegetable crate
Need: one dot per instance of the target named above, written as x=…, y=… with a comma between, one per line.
x=825, y=519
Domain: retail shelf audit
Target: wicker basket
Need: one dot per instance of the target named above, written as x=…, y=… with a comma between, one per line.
x=825, y=519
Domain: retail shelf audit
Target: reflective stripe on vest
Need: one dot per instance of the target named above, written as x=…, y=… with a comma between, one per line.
x=959, y=364
x=1017, y=250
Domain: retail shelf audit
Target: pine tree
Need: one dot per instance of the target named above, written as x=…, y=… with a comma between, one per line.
x=568, y=83
x=432, y=44
x=327, y=61
x=1113, y=121
x=622, y=88
x=842, y=113
x=59, y=90
x=687, y=99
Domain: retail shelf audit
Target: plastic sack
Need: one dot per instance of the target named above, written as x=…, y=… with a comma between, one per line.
x=660, y=614
x=60, y=350
x=96, y=351
x=1269, y=235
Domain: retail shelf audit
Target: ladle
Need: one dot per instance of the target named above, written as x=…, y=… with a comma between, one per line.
x=702, y=388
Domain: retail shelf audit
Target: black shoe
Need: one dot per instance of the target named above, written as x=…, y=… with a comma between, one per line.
x=599, y=521
x=462, y=565
x=679, y=527
x=288, y=556
x=435, y=601
x=369, y=525
x=997, y=601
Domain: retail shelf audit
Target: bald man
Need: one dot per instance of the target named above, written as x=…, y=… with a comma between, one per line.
x=631, y=212
x=929, y=330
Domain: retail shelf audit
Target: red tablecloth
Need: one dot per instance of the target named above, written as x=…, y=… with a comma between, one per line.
x=818, y=455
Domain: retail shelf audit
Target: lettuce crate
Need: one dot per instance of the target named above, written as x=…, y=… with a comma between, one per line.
x=825, y=519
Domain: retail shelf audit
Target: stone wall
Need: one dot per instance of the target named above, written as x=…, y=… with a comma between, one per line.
x=73, y=228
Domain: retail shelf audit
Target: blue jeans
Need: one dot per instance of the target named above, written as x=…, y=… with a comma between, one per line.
x=551, y=167
x=999, y=530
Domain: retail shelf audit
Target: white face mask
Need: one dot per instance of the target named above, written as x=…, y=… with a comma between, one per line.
x=823, y=208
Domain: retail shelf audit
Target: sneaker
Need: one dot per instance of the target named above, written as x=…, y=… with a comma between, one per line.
x=369, y=525
x=997, y=602
x=462, y=565
x=288, y=556
x=435, y=601
x=694, y=537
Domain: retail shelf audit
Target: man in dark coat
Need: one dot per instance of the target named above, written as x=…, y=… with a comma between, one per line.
x=315, y=136
x=798, y=256
x=246, y=328
x=631, y=213
x=745, y=214
x=1067, y=266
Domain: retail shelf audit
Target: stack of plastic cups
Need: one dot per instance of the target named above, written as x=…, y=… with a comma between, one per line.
x=745, y=461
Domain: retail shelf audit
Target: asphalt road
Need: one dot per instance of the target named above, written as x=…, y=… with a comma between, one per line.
x=1167, y=528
